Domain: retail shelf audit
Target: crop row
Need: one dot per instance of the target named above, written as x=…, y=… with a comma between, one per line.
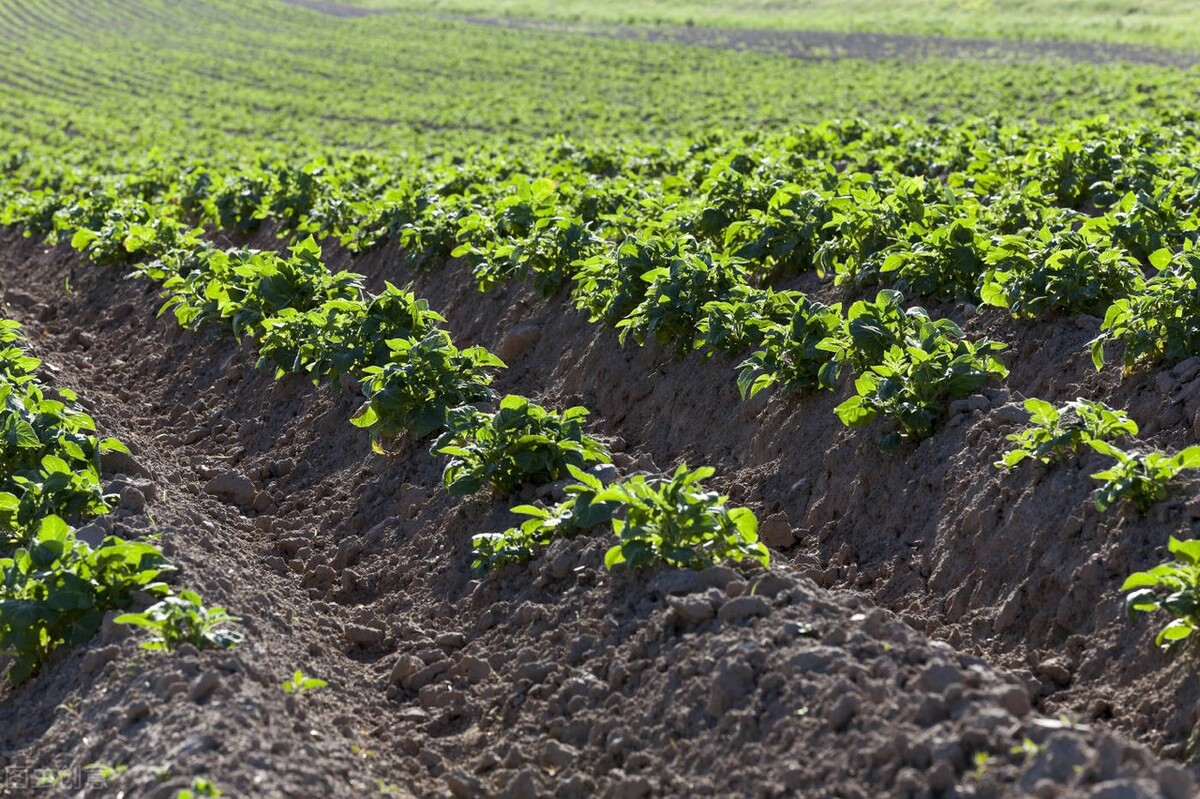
x=55, y=586
x=416, y=383
x=681, y=246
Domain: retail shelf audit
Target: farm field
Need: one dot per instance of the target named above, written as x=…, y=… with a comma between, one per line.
x=512, y=404
x=1167, y=23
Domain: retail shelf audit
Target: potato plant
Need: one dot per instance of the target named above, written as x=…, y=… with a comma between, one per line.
x=55, y=590
x=580, y=512
x=675, y=521
x=183, y=619
x=913, y=365
x=1055, y=433
x=1173, y=587
x=423, y=381
x=1140, y=479
x=521, y=442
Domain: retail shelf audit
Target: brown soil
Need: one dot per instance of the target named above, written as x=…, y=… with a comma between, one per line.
x=560, y=679
x=334, y=9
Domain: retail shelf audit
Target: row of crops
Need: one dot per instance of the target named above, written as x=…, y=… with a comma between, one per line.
x=689, y=246
x=653, y=223
x=55, y=586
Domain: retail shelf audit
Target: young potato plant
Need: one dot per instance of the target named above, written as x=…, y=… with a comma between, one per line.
x=675, y=299
x=1071, y=272
x=743, y=320
x=241, y=288
x=183, y=619
x=521, y=442
x=344, y=336
x=1160, y=319
x=1056, y=433
x=49, y=455
x=1141, y=479
x=422, y=382
x=579, y=512
x=676, y=522
x=791, y=356
x=1173, y=587
x=56, y=590
x=298, y=683
x=922, y=363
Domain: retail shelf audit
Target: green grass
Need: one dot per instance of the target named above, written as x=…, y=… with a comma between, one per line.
x=1165, y=23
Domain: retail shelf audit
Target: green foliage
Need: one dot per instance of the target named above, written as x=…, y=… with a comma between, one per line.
x=580, y=512
x=676, y=522
x=913, y=366
x=423, y=381
x=298, y=683
x=522, y=442
x=1141, y=479
x=56, y=589
x=1173, y=587
x=1072, y=272
x=1160, y=322
x=792, y=356
x=242, y=288
x=675, y=299
x=201, y=789
x=1055, y=433
x=344, y=336
x=183, y=619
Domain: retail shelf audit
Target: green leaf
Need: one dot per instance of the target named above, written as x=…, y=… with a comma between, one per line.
x=1187, y=551
x=365, y=417
x=1177, y=630
x=854, y=413
x=1139, y=580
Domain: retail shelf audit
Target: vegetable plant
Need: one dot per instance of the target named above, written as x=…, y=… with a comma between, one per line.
x=921, y=363
x=298, y=683
x=677, y=522
x=1173, y=587
x=56, y=589
x=1142, y=479
x=183, y=619
x=521, y=442
x=579, y=512
x=423, y=381
x=1055, y=433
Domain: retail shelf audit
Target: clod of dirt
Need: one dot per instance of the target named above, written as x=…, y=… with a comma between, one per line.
x=236, y=488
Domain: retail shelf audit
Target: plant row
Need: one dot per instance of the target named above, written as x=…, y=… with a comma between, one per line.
x=55, y=587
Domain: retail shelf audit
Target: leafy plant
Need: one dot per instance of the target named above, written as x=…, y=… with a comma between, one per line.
x=521, y=442
x=675, y=298
x=1055, y=433
x=1068, y=272
x=423, y=381
x=1173, y=587
x=1159, y=320
x=922, y=362
x=1142, y=479
x=183, y=619
x=298, y=683
x=676, y=522
x=344, y=336
x=580, y=512
x=56, y=589
x=200, y=789
x=792, y=356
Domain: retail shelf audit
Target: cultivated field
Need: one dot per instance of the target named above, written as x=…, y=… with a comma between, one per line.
x=521, y=404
